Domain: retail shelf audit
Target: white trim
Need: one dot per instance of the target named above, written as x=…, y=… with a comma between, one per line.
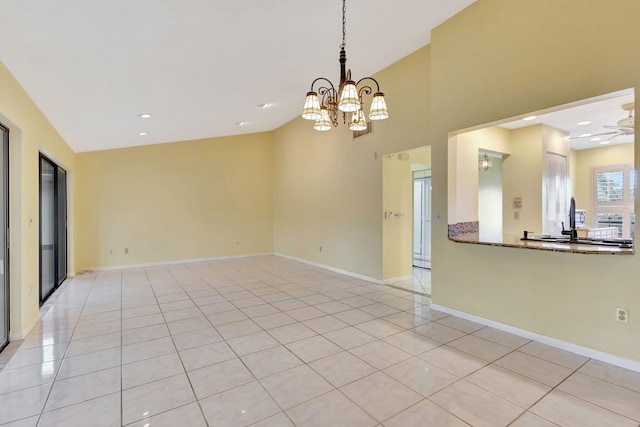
x=187, y=261
x=335, y=270
x=622, y=362
x=182, y=261
x=20, y=335
x=393, y=280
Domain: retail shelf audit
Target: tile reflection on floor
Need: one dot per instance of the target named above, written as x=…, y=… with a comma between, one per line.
x=266, y=341
x=420, y=281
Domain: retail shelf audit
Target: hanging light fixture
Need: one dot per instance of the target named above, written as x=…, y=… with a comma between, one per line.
x=486, y=163
x=324, y=104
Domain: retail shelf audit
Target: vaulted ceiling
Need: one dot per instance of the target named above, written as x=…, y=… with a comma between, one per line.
x=199, y=67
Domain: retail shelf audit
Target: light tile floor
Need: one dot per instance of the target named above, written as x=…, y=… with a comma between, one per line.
x=420, y=281
x=266, y=341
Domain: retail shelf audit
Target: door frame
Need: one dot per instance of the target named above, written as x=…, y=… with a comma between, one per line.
x=56, y=236
x=413, y=234
x=6, y=284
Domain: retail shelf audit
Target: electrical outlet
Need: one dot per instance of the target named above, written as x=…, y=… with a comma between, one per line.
x=126, y=250
x=622, y=315
x=516, y=215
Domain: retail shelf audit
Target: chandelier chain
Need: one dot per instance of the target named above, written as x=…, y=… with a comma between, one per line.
x=344, y=24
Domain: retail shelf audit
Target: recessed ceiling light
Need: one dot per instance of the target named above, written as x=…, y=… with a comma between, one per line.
x=241, y=123
x=264, y=105
x=584, y=135
x=529, y=118
x=586, y=122
x=596, y=139
x=144, y=115
x=604, y=142
x=143, y=133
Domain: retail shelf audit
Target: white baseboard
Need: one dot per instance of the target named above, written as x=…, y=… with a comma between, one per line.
x=330, y=268
x=631, y=364
x=393, y=280
x=161, y=263
x=22, y=334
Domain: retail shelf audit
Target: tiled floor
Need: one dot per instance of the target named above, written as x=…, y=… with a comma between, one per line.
x=420, y=281
x=265, y=341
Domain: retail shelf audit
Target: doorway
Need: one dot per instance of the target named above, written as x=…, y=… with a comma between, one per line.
x=422, y=218
x=4, y=252
x=53, y=227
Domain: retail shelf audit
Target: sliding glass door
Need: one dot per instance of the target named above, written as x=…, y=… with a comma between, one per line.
x=4, y=252
x=53, y=227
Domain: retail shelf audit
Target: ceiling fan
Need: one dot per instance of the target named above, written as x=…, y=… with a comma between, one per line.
x=623, y=127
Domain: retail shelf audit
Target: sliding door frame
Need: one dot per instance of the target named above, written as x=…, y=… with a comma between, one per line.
x=5, y=284
x=57, y=278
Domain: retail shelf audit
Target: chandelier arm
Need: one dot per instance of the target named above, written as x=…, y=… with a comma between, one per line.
x=322, y=78
x=364, y=90
x=372, y=79
x=329, y=96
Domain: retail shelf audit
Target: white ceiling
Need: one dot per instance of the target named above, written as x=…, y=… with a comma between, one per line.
x=198, y=66
x=604, y=110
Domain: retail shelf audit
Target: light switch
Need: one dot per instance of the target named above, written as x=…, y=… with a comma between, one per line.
x=517, y=202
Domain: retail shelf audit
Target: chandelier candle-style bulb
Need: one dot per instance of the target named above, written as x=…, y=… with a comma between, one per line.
x=349, y=101
x=378, y=107
x=311, y=110
x=323, y=123
x=358, y=122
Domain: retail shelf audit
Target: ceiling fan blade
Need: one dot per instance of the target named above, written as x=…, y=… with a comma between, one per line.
x=614, y=136
x=619, y=127
x=596, y=135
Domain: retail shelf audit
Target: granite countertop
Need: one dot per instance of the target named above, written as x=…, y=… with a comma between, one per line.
x=515, y=242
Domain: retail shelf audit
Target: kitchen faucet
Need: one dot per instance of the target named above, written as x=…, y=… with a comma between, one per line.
x=572, y=232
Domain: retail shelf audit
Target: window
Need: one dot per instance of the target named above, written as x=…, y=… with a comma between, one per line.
x=614, y=196
x=556, y=209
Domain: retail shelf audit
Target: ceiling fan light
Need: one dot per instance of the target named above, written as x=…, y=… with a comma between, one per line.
x=378, y=107
x=349, y=101
x=311, y=109
x=357, y=122
x=323, y=124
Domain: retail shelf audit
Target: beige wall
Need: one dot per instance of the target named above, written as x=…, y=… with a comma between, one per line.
x=499, y=59
x=522, y=177
x=29, y=133
x=588, y=159
x=397, y=191
x=178, y=201
x=397, y=197
x=328, y=188
x=463, y=184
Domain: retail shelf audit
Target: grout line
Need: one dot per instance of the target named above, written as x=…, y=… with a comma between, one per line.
x=227, y=274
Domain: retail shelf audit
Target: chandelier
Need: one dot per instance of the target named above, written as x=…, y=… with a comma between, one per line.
x=485, y=163
x=324, y=104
